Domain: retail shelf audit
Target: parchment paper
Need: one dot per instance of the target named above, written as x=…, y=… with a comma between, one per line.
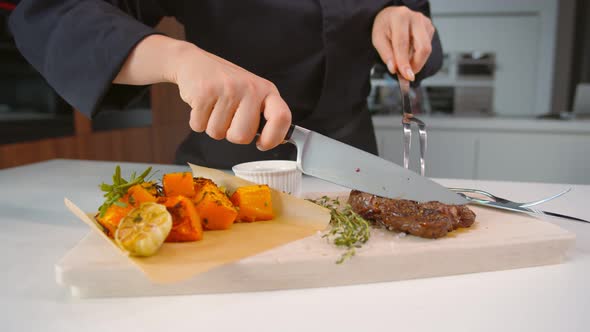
x=174, y=262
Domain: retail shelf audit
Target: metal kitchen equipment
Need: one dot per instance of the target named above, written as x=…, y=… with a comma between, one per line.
x=505, y=204
x=407, y=119
x=347, y=166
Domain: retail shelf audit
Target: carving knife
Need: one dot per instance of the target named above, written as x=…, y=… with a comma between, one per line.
x=333, y=161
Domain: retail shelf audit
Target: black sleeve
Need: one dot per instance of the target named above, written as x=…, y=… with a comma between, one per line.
x=79, y=46
x=434, y=62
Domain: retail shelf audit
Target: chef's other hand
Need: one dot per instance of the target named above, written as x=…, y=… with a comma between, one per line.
x=403, y=39
x=226, y=101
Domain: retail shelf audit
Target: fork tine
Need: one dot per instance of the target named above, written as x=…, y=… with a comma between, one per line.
x=423, y=140
x=528, y=204
x=422, y=131
x=506, y=201
x=407, y=143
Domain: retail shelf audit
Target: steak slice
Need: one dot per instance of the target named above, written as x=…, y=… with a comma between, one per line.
x=461, y=215
x=428, y=220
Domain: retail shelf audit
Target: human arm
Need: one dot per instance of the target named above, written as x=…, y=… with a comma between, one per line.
x=226, y=100
x=82, y=47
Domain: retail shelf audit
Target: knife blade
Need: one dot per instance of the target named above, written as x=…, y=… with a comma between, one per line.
x=559, y=215
x=333, y=161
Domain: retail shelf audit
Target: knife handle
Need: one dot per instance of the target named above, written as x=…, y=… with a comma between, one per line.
x=263, y=123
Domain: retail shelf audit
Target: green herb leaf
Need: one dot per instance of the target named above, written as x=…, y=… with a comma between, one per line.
x=120, y=204
x=105, y=187
x=114, y=192
x=347, y=228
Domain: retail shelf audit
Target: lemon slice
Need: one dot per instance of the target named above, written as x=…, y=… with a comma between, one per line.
x=143, y=230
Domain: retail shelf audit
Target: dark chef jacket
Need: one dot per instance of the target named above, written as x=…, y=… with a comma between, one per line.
x=317, y=52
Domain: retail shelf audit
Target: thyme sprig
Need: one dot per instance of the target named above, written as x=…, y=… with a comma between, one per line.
x=115, y=191
x=347, y=228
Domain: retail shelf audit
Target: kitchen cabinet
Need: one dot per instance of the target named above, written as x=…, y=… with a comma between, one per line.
x=494, y=148
x=449, y=154
x=546, y=157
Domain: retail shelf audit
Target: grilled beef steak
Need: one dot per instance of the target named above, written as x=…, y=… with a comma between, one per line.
x=429, y=220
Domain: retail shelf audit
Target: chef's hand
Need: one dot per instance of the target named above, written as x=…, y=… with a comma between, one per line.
x=403, y=39
x=226, y=100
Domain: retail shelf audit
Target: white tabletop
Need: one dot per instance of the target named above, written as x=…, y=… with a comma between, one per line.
x=37, y=230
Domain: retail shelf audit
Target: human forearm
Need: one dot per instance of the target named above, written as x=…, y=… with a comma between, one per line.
x=152, y=61
x=226, y=101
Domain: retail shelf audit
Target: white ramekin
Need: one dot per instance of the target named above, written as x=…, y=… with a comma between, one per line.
x=281, y=175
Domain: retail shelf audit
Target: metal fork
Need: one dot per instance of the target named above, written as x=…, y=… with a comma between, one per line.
x=408, y=118
x=506, y=204
x=505, y=201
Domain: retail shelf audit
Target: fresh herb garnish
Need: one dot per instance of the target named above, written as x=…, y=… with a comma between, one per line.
x=120, y=204
x=115, y=191
x=348, y=229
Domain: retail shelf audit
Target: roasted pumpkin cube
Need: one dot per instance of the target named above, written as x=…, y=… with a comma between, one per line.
x=151, y=187
x=178, y=184
x=140, y=194
x=200, y=183
x=213, y=206
x=186, y=223
x=254, y=203
x=137, y=194
x=113, y=215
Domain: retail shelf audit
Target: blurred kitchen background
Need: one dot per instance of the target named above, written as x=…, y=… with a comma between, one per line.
x=512, y=101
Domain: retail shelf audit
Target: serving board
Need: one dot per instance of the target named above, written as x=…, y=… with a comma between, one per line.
x=497, y=241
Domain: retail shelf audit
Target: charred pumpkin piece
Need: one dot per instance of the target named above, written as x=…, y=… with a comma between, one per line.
x=213, y=206
x=254, y=203
x=136, y=195
x=141, y=193
x=113, y=215
x=178, y=184
x=186, y=223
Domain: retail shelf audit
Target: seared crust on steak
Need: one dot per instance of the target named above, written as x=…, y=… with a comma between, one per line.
x=428, y=220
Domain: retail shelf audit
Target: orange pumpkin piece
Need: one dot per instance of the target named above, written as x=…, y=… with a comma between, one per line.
x=254, y=203
x=136, y=195
x=178, y=184
x=110, y=220
x=213, y=206
x=141, y=193
x=186, y=223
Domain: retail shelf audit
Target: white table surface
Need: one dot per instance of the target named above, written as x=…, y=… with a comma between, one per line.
x=37, y=230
